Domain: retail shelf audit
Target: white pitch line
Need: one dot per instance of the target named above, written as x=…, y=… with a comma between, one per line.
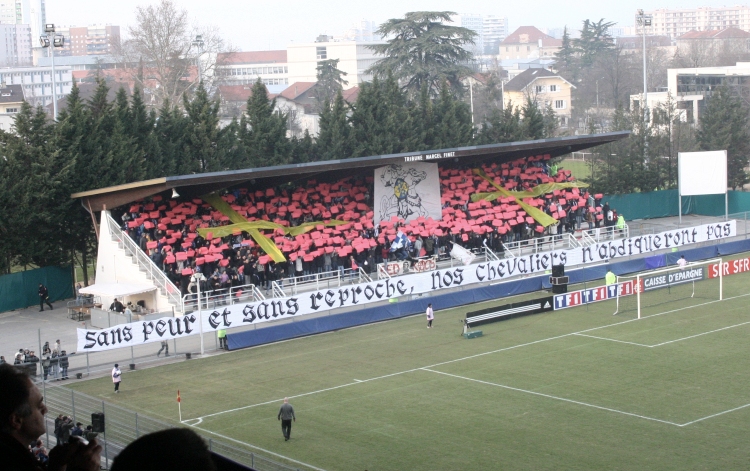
x=357, y=381
x=553, y=397
x=613, y=340
x=704, y=333
x=258, y=448
x=715, y=415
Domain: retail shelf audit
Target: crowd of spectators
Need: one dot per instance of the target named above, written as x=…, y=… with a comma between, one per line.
x=54, y=361
x=168, y=229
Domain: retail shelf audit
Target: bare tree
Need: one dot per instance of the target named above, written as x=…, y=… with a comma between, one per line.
x=166, y=56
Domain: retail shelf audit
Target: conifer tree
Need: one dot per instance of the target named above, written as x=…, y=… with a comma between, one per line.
x=423, y=117
x=334, y=140
x=453, y=121
x=170, y=133
x=533, y=120
x=202, y=135
x=265, y=140
x=381, y=122
x=502, y=126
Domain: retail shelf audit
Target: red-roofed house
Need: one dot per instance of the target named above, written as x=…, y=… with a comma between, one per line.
x=244, y=68
x=730, y=41
x=528, y=42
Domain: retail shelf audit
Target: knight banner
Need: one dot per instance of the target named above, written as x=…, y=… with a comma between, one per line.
x=407, y=191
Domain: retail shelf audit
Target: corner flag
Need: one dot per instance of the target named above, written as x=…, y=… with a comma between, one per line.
x=179, y=405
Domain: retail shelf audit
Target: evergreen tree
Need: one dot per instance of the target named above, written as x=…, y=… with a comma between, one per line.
x=334, y=140
x=423, y=49
x=34, y=176
x=724, y=126
x=330, y=81
x=566, y=62
x=593, y=41
x=265, y=140
x=502, y=126
x=381, y=122
x=533, y=120
x=551, y=122
x=453, y=126
x=202, y=135
x=304, y=149
x=147, y=161
x=423, y=117
x=170, y=134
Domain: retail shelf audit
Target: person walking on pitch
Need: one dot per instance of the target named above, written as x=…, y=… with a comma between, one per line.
x=430, y=316
x=286, y=415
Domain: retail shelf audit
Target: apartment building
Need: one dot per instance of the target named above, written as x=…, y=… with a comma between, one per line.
x=495, y=29
x=88, y=40
x=37, y=82
x=354, y=59
x=15, y=45
x=676, y=22
x=245, y=68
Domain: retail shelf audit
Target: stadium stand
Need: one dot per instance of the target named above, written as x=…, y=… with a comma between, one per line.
x=169, y=230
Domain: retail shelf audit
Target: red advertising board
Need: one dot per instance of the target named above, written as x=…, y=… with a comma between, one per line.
x=731, y=267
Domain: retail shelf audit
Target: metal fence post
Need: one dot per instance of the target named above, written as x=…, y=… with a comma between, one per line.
x=88, y=370
x=73, y=403
x=106, y=453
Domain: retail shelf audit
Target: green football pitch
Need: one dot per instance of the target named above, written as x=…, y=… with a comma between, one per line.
x=572, y=389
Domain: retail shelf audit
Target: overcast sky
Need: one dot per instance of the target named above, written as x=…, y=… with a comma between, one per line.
x=254, y=25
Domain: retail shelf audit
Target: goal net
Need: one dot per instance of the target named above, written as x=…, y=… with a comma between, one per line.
x=679, y=287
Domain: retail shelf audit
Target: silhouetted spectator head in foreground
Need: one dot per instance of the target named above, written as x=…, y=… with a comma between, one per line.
x=175, y=449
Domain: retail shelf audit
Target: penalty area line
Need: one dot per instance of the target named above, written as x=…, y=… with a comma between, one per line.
x=258, y=448
x=613, y=340
x=548, y=396
x=703, y=333
x=714, y=415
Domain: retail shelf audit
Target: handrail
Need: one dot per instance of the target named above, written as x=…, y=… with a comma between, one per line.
x=296, y=282
x=539, y=244
x=363, y=276
x=586, y=239
x=156, y=275
x=277, y=290
x=382, y=272
x=599, y=234
x=490, y=255
x=222, y=296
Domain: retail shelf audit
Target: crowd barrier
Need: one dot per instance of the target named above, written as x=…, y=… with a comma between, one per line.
x=123, y=426
x=304, y=327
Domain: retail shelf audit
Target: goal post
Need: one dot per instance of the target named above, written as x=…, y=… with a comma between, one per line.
x=674, y=284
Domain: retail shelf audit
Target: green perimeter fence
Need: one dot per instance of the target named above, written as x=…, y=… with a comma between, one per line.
x=123, y=426
x=20, y=290
x=665, y=203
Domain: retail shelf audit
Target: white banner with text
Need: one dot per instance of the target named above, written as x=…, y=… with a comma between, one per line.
x=227, y=317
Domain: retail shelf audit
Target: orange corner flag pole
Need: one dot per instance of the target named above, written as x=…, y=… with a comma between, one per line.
x=179, y=405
